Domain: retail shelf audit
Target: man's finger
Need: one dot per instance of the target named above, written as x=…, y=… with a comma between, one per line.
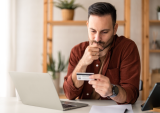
x=97, y=82
x=102, y=88
x=97, y=46
x=95, y=57
x=97, y=76
x=95, y=53
x=100, y=92
x=94, y=49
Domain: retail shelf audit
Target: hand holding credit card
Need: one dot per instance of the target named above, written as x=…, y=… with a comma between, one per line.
x=84, y=76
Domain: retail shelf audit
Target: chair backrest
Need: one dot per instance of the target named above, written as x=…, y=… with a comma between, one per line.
x=140, y=85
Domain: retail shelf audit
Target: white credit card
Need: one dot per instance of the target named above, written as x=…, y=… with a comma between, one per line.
x=84, y=76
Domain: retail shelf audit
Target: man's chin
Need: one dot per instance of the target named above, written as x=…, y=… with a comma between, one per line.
x=100, y=50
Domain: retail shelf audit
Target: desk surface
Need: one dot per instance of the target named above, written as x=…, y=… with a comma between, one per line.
x=12, y=105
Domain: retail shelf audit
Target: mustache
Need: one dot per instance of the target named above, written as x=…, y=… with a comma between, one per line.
x=102, y=44
x=99, y=42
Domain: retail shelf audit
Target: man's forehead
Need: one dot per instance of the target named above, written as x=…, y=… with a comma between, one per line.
x=104, y=22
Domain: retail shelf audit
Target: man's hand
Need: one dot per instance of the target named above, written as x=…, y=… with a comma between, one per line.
x=101, y=85
x=91, y=53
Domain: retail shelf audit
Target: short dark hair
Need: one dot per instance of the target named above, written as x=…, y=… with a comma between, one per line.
x=101, y=9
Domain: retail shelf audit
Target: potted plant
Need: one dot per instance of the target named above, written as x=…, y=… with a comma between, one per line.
x=158, y=10
x=54, y=70
x=67, y=8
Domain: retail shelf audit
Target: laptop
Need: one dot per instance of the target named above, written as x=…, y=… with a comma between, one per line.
x=37, y=89
x=153, y=99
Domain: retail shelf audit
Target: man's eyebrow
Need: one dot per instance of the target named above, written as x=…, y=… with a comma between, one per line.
x=101, y=30
x=105, y=30
x=92, y=29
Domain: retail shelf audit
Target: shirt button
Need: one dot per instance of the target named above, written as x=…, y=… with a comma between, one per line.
x=87, y=93
x=97, y=65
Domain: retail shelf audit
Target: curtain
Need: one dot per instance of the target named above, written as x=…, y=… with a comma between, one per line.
x=7, y=47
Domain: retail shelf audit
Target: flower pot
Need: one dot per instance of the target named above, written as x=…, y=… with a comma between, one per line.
x=67, y=14
x=55, y=81
x=158, y=15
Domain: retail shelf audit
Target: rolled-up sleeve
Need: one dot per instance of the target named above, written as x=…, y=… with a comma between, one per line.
x=130, y=72
x=70, y=90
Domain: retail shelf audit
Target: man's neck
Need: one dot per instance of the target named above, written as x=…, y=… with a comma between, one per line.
x=104, y=52
x=102, y=58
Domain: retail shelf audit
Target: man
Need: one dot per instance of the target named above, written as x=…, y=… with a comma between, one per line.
x=114, y=61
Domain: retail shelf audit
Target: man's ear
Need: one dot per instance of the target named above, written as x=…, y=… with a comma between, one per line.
x=87, y=23
x=115, y=28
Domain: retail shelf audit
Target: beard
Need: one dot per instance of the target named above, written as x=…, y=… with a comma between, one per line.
x=102, y=43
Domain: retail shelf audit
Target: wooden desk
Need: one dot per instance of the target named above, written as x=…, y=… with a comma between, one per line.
x=12, y=105
x=62, y=96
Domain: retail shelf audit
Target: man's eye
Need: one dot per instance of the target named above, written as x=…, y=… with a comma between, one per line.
x=105, y=32
x=93, y=31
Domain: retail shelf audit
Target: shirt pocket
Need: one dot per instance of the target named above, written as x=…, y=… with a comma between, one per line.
x=113, y=75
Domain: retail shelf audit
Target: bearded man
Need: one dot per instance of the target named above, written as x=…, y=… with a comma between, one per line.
x=113, y=59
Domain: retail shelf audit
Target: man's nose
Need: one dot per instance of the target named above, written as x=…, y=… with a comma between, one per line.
x=97, y=37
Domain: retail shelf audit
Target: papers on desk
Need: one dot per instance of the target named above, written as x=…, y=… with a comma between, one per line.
x=112, y=109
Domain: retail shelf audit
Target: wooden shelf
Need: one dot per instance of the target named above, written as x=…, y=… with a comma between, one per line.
x=76, y=22
x=154, y=51
x=67, y=22
x=154, y=21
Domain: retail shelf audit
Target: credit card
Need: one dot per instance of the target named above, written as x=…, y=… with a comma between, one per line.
x=84, y=76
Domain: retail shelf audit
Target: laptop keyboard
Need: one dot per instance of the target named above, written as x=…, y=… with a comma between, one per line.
x=67, y=104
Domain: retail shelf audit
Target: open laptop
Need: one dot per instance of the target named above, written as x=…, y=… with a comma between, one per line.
x=153, y=99
x=37, y=89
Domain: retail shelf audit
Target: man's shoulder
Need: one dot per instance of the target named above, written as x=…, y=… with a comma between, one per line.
x=122, y=41
x=79, y=48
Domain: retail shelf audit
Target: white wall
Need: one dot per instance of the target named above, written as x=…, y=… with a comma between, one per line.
x=30, y=31
x=29, y=35
x=4, y=45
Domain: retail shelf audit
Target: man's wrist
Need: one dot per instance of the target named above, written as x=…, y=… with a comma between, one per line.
x=111, y=93
x=82, y=65
x=79, y=68
x=115, y=91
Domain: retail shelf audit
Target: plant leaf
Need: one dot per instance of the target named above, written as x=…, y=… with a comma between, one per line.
x=48, y=67
x=66, y=4
x=71, y=3
x=59, y=61
x=78, y=5
x=66, y=65
x=158, y=9
x=62, y=66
